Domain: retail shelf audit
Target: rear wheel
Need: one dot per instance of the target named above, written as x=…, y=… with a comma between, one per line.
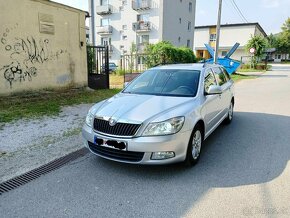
x=194, y=146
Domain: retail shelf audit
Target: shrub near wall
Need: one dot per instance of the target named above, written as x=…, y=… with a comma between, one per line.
x=165, y=53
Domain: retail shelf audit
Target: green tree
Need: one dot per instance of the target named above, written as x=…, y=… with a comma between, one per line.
x=259, y=43
x=164, y=52
x=283, y=39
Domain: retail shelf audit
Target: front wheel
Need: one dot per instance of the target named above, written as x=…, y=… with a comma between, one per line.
x=230, y=116
x=194, y=146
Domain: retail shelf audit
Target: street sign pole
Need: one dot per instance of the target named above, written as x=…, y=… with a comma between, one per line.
x=218, y=26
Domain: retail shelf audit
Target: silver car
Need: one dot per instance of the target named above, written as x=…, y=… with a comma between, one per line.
x=163, y=116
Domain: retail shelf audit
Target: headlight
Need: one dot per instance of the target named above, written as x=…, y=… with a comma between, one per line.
x=90, y=119
x=166, y=127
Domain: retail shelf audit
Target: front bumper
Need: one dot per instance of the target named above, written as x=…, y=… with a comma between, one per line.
x=177, y=143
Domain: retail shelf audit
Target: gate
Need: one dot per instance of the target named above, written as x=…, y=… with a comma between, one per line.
x=98, y=67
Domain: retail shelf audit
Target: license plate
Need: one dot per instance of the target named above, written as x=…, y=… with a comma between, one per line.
x=118, y=145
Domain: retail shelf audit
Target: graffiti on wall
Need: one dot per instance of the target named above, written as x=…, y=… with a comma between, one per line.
x=26, y=55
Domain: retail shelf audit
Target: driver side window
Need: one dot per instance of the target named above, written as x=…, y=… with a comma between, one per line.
x=209, y=80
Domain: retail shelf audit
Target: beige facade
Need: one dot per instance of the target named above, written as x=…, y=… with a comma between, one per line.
x=229, y=35
x=42, y=45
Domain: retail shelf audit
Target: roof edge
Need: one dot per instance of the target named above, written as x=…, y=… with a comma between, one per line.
x=236, y=25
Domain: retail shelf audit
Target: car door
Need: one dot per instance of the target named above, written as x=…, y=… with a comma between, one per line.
x=212, y=105
x=222, y=81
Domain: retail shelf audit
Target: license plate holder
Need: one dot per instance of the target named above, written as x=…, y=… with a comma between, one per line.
x=113, y=144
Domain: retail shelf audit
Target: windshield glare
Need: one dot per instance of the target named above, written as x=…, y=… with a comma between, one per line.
x=166, y=82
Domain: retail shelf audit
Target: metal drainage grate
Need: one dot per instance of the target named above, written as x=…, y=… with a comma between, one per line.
x=34, y=174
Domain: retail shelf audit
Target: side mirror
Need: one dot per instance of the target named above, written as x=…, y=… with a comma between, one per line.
x=214, y=90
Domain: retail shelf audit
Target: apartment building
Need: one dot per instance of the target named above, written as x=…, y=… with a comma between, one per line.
x=229, y=35
x=119, y=23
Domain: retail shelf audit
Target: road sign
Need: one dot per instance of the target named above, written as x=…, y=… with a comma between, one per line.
x=252, y=50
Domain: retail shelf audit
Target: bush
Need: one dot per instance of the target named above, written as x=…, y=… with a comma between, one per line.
x=120, y=72
x=257, y=67
x=165, y=53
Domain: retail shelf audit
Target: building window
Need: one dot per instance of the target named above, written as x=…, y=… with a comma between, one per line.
x=124, y=27
x=143, y=17
x=179, y=20
x=188, y=43
x=124, y=2
x=121, y=8
x=224, y=53
x=106, y=41
x=189, y=26
x=212, y=37
x=142, y=39
x=105, y=22
x=124, y=37
x=190, y=7
x=104, y=2
x=121, y=47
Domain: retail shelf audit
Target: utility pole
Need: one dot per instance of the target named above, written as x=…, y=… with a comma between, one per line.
x=218, y=27
x=92, y=26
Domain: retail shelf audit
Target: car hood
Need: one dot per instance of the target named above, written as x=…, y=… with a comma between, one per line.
x=139, y=108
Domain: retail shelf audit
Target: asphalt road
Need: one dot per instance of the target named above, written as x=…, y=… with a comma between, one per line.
x=244, y=171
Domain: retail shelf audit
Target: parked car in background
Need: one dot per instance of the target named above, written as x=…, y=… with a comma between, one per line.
x=163, y=116
x=112, y=67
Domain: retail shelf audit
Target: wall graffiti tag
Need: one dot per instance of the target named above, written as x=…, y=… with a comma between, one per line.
x=26, y=54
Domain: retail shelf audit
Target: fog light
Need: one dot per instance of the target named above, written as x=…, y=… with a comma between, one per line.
x=161, y=155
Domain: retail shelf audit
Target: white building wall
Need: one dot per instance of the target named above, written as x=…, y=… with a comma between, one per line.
x=228, y=37
x=241, y=34
x=201, y=36
x=164, y=18
x=174, y=12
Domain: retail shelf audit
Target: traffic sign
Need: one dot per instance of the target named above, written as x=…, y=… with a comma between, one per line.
x=252, y=50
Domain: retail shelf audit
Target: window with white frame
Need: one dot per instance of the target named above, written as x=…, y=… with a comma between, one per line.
x=212, y=37
x=105, y=22
x=104, y=2
x=143, y=39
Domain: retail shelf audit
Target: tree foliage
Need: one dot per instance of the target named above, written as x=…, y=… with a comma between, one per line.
x=281, y=41
x=164, y=52
x=259, y=43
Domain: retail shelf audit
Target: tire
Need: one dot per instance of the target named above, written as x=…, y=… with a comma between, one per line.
x=195, y=142
x=230, y=116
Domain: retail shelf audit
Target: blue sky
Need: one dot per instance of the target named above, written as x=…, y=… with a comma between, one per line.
x=271, y=14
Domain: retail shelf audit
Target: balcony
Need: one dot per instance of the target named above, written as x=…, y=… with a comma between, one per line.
x=140, y=5
x=104, y=9
x=142, y=27
x=105, y=30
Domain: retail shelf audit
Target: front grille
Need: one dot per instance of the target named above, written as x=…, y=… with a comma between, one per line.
x=119, y=129
x=130, y=156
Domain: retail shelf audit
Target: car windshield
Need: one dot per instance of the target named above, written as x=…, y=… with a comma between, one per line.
x=166, y=83
x=112, y=65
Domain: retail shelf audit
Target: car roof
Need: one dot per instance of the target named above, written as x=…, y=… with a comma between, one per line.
x=195, y=66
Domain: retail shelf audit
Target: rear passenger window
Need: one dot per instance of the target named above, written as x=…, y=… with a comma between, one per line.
x=226, y=73
x=221, y=77
x=209, y=80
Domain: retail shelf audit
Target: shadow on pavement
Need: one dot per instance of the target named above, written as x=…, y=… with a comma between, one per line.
x=254, y=149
